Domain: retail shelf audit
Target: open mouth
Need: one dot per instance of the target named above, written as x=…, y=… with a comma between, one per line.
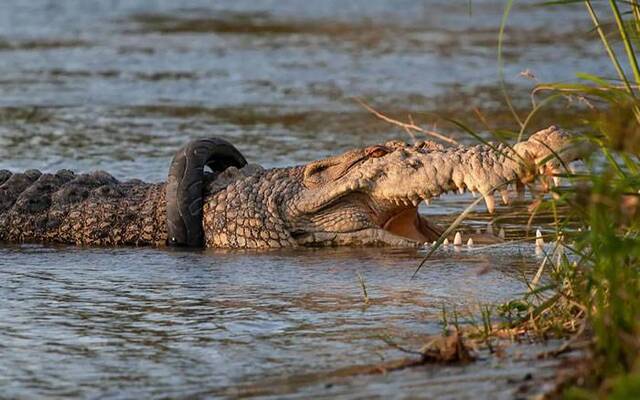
x=409, y=224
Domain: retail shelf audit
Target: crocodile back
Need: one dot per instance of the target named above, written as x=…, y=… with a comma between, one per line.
x=88, y=209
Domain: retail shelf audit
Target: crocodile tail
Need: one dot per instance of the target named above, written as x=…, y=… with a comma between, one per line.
x=184, y=190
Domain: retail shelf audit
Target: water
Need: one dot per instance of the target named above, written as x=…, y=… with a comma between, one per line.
x=147, y=322
x=119, y=85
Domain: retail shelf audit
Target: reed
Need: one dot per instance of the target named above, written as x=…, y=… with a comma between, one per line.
x=587, y=288
x=592, y=288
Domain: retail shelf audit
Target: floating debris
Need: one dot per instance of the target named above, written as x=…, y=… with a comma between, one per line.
x=447, y=348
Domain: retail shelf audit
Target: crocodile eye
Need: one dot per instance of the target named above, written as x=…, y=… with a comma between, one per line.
x=377, y=151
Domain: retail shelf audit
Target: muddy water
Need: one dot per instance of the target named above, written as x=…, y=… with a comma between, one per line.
x=119, y=85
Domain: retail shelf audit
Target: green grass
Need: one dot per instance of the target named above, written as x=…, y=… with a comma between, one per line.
x=591, y=289
x=594, y=288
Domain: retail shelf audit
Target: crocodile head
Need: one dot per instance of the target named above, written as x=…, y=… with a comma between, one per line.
x=371, y=195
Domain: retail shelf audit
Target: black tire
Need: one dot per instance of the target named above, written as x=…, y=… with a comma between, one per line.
x=184, y=191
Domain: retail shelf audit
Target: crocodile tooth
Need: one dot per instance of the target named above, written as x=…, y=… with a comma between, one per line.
x=470, y=242
x=457, y=240
x=544, y=183
x=474, y=193
x=415, y=201
x=505, y=197
x=491, y=202
x=557, y=180
x=539, y=239
x=489, y=228
x=501, y=233
x=445, y=242
x=427, y=201
x=461, y=190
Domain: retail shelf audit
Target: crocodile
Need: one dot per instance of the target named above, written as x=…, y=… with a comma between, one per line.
x=213, y=198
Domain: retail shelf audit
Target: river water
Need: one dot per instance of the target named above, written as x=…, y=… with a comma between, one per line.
x=120, y=85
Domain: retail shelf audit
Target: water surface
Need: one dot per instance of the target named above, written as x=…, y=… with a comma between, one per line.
x=120, y=85
x=142, y=322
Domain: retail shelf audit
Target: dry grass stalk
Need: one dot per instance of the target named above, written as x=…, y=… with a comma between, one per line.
x=408, y=127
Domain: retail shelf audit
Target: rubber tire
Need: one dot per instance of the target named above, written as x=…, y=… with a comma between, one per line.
x=184, y=190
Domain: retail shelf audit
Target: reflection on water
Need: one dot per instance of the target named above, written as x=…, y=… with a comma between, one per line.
x=119, y=85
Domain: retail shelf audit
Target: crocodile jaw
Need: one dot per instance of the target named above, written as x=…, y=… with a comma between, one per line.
x=385, y=191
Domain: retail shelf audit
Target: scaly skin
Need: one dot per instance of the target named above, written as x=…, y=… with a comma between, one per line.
x=88, y=209
x=364, y=197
